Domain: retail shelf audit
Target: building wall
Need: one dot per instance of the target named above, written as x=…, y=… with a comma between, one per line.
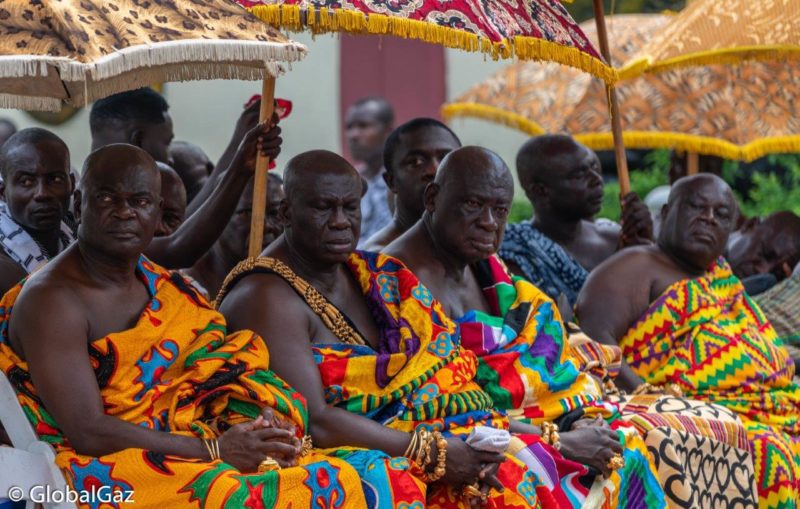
x=205, y=112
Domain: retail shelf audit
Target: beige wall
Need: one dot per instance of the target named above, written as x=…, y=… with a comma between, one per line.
x=205, y=112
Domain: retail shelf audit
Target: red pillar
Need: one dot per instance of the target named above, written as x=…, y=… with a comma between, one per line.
x=410, y=74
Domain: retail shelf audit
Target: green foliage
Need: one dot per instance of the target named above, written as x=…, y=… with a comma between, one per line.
x=642, y=182
x=521, y=210
x=771, y=191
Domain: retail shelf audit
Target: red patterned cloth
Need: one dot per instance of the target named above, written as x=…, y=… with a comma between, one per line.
x=527, y=29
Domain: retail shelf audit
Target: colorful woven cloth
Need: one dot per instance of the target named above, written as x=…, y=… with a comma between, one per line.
x=543, y=261
x=522, y=338
x=781, y=305
x=707, y=336
x=177, y=372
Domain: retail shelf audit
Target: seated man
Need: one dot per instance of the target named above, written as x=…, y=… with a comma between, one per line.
x=411, y=155
x=557, y=248
x=141, y=118
x=371, y=351
x=764, y=254
x=159, y=403
x=173, y=201
x=208, y=274
x=525, y=364
x=193, y=166
x=683, y=318
x=35, y=224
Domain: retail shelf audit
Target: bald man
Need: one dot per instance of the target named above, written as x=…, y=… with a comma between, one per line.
x=336, y=319
x=562, y=243
x=682, y=317
x=155, y=385
x=35, y=224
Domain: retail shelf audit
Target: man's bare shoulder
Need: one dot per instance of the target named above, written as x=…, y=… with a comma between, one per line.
x=381, y=239
x=636, y=258
x=607, y=229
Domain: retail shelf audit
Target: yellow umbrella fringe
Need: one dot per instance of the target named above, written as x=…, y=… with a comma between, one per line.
x=692, y=143
x=725, y=56
x=633, y=139
x=492, y=114
x=337, y=20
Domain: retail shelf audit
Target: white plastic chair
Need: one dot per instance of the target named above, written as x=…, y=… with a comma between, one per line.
x=30, y=462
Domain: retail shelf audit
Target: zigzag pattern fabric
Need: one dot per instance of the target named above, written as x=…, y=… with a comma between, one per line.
x=710, y=338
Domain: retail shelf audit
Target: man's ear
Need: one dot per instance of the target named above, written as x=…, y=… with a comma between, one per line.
x=72, y=181
x=431, y=191
x=76, y=205
x=283, y=213
x=136, y=138
x=388, y=177
x=664, y=212
x=364, y=186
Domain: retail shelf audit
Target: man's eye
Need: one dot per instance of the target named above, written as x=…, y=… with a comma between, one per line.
x=473, y=204
x=57, y=179
x=26, y=181
x=501, y=211
x=142, y=202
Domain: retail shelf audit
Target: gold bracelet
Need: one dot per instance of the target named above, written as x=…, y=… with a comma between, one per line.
x=212, y=446
x=411, y=446
x=426, y=440
x=441, y=458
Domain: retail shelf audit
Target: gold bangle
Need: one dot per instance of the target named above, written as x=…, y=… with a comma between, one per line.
x=425, y=450
x=441, y=458
x=411, y=446
x=212, y=446
x=306, y=445
x=470, y=491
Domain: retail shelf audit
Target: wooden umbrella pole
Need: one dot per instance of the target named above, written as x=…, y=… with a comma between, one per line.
x=262, y=169
x=692, y=163
x=613, y=104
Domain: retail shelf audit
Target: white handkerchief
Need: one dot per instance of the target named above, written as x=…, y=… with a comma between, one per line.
x=484, y=438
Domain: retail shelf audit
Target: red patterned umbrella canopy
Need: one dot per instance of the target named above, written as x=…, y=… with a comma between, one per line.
x=525, y=29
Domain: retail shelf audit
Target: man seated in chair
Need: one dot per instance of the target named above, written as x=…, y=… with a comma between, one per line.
x=525, y=361
x=683, y=318
x=134, y=379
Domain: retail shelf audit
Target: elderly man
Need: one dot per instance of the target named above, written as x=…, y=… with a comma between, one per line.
x=34, y=221
x=368, y=122
x=193, y=166
x=159, y=404
x=526, y=364
x=372, y=352
x=561, y=244
x=210, y=271
x=683, y=318
x=411, y=155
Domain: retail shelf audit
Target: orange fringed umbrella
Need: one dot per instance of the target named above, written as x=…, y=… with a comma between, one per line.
x=736, y=112
x=55, y=52
x=525, y=29
x=722, y=32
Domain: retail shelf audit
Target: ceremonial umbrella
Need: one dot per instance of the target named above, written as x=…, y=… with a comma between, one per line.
x=736, y=112
x=54, y=52
x=722, y=32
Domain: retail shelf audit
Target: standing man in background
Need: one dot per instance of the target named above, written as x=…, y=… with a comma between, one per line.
x=368, y=123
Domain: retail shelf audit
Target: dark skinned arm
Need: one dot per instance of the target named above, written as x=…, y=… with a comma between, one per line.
x=265, y=304
x=199, y=232
x=611, y=300
x=246, y=122
x=72, y=395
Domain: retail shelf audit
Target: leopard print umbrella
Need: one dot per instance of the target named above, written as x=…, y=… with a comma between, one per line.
x=55, y=52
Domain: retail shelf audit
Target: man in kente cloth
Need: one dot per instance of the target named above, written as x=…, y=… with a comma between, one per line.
x=372, y=352
x=158, y=400
x=558, y=247
x=682, y=318
x=411, y=155
x=525, y=362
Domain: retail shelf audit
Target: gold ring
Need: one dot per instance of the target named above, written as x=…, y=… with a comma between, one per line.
x=268, y=465
x=616, y=462
x=471, y=491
